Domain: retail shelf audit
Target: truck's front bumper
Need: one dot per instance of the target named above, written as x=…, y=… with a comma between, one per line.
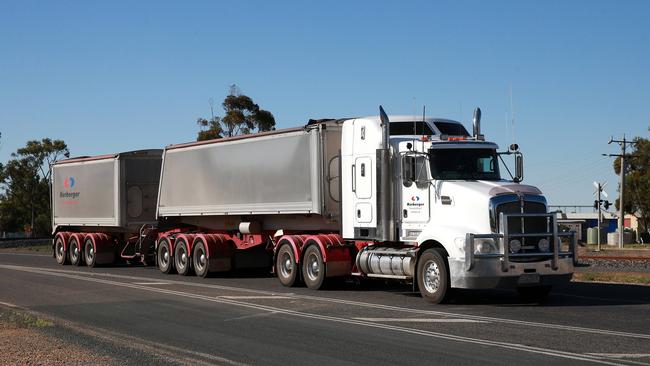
x=488, y=273
x=505, y=269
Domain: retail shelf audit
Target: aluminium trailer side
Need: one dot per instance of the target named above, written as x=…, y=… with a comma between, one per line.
x=285, y=179
x=114, y=193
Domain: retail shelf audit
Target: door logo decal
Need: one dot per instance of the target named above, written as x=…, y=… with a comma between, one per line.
x=415, y=202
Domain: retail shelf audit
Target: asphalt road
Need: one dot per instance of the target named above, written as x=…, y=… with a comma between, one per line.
x=252, y=319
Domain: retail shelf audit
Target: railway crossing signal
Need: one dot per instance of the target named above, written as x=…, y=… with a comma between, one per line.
x=597, y=203
x=602, y=203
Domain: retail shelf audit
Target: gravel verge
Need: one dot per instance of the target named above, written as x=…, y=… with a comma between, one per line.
x=31, y=339
x=613, y=265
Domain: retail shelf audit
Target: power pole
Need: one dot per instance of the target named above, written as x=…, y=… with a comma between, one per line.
x=621, y=212
x=600, y=215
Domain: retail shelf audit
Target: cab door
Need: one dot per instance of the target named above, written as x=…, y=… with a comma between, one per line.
x=415, y=195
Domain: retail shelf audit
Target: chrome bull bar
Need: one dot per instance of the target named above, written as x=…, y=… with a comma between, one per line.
x=502, y=239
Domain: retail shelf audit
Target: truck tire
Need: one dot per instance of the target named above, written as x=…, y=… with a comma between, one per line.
x=90, y=256
x=75, y=252
x=200, y=260
x=164, y=257
x=59, y=251
x=313, y=268
x=433, y=276
x=182, y=259
x=286, y=267
x=534, y=294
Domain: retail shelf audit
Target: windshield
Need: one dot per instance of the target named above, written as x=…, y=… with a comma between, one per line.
x=464, y=164
x=451, y=128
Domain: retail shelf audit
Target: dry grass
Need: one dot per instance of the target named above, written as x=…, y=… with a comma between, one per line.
x=614, y=277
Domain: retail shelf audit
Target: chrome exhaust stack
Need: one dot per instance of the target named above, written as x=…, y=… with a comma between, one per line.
x=385, y=222
x=476, y=124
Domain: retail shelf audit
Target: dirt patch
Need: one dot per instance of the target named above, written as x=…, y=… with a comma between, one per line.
x=24, y=342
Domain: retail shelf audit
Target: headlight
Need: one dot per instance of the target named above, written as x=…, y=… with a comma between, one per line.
x=485, y=246
x=543, y=245
x=515, y=245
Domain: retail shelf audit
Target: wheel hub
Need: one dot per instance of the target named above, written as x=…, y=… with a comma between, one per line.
x=313, y=268
x=431, y=277
x=202, y=259
x=287, y=265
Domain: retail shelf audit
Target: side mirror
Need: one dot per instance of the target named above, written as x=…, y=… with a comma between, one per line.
x=414, y=168
x=519, y=167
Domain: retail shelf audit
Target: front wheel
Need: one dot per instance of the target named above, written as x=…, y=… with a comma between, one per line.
x=433, y=276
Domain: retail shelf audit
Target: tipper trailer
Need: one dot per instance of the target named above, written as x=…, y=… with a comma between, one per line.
x=414, y=200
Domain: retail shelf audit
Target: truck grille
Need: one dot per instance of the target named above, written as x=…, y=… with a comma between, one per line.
x=517, y=225
x=530, y=224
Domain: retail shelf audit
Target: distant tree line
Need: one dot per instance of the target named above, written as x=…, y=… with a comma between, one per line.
x=24, y=184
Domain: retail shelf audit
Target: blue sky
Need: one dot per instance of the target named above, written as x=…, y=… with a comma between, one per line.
x=115, y=76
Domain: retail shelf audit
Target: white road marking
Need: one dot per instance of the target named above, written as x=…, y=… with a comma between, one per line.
x=254, y=297
x=420, y=320
x=443, y=336
x=620, y=355
x=256, y=315
x=151, y=283
x=419, y=312
x=7, y=304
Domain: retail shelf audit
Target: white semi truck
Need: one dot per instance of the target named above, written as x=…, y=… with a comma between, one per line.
x=415, y=200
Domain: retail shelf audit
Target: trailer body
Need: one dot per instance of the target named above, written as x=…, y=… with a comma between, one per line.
x=272, y=179
x=117, y=192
